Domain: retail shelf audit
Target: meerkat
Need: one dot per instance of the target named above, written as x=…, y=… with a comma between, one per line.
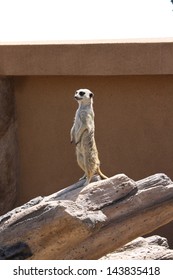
x=83, y=135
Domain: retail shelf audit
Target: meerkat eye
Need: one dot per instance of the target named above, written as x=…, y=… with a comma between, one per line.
x=91, y=95
x=81, y=93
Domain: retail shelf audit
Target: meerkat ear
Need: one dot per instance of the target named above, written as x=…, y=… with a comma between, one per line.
x=91, y=95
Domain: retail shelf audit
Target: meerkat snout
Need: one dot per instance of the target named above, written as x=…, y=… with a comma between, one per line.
x=83, y=94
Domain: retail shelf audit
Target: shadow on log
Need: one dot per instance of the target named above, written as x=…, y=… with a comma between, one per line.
x=89, y=222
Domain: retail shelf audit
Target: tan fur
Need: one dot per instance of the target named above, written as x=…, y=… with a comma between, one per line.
x=82, y=134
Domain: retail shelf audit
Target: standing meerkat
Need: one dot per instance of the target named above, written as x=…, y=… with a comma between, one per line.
x=82, y=134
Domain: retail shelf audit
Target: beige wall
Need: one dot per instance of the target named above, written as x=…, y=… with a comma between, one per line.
x=134, y=128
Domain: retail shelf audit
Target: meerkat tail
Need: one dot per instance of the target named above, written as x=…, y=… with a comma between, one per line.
x=101, y=174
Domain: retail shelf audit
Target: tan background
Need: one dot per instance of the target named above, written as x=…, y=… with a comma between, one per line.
x=134, y=128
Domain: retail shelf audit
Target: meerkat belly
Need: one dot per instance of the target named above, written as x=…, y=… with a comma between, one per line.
x=89, y=152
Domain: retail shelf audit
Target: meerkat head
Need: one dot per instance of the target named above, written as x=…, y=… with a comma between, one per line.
x=84, y=96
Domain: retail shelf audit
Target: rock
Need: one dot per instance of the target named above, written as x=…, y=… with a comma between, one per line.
x=89, y=222
x=150, y=248
x=8, y=147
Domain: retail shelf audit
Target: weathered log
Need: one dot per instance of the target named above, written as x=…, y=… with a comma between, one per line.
x=89, y=222
x=150, y=248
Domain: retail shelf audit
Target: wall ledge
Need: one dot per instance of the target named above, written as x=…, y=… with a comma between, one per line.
x=90, y=58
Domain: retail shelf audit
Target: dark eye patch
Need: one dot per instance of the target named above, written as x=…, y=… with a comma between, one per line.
x=81, y=93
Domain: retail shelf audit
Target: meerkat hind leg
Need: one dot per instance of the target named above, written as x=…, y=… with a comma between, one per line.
x=87, y=181
x=83, y=177
x=80, y=161
x=89, y=176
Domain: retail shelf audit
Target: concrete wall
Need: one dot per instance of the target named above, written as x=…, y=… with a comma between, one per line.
x=133, y=86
